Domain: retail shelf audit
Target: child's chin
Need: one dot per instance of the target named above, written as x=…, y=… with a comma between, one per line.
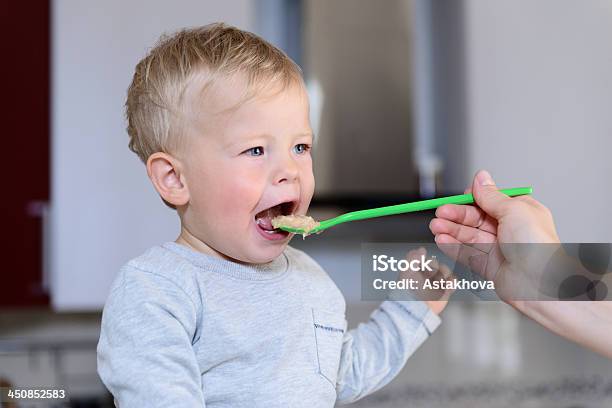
x=267, y=254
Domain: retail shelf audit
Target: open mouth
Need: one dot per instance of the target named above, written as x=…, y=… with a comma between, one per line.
x=263, y=219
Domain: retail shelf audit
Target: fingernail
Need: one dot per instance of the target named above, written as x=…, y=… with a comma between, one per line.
x=485, y=179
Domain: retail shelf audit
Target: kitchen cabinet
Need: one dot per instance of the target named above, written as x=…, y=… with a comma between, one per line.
x=25, y=145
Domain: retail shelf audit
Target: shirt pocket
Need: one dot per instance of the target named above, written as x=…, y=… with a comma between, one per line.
x=329, y=329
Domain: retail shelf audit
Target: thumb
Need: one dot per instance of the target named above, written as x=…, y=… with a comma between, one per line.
x=487, y=196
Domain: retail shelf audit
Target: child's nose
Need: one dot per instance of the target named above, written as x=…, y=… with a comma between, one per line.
x=286, y=171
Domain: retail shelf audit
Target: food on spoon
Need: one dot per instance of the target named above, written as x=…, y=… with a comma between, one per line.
x=302, y=222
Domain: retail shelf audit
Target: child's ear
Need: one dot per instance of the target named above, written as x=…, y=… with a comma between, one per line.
x=165, y=173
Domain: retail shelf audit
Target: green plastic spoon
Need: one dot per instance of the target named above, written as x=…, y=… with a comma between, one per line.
x=400, y=209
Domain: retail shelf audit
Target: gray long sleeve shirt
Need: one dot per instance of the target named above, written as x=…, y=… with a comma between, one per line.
x=184, y=329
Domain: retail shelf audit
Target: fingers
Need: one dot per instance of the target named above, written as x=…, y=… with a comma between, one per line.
x=449, y=245
x=487, y=196
x=438, y=272
x=483, y=259
x=416, y=253
x=467, y=215
x=446, y=274
x=462, y=233
x=462, y=251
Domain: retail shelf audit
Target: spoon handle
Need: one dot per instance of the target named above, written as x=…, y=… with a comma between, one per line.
x=412, y=207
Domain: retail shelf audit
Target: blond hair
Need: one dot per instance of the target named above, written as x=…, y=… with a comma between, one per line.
x=155, y=96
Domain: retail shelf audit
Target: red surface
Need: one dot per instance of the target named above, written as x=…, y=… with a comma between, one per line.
x=24, y=72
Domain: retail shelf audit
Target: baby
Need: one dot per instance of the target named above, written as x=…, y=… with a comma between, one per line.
x=229, y=315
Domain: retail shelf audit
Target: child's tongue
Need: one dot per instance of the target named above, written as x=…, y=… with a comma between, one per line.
x=264, y=218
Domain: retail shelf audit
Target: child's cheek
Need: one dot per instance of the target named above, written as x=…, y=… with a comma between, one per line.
x=244, y=191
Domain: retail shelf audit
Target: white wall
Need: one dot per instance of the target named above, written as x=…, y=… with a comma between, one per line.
x=539, y=103
x=103, y=209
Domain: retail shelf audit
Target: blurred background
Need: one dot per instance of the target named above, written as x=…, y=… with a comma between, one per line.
x=409, y=98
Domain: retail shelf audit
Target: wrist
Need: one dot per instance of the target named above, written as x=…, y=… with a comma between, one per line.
x=436, y=306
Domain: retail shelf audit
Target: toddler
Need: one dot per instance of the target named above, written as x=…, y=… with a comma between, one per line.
x=228, y=314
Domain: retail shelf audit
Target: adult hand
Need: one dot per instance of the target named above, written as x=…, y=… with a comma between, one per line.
x=497, y=220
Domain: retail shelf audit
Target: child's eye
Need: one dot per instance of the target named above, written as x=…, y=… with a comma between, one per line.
x=301, y=148
x=255, y=151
